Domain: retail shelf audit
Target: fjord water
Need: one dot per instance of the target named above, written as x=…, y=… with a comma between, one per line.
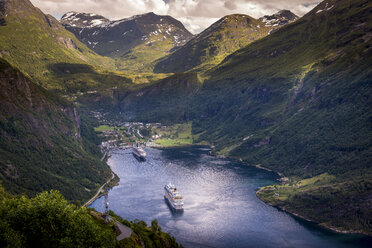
x=221, y=208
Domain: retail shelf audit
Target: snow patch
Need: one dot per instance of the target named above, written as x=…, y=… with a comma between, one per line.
x=67, y=15
x=96, y=22
x=325, y=9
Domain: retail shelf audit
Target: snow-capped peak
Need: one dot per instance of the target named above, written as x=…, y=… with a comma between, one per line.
x=278, y=19
x=82, y=20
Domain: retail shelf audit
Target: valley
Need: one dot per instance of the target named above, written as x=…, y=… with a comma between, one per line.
x=288, y=93
x=127, y=134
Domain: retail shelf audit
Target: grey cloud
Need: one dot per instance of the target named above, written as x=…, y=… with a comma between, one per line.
x=195, y=14
x=230, y=5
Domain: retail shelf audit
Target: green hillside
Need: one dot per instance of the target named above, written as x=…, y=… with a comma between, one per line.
x=48, y=220
x=211, y=46
x=44, y=143
x=37, y=43
x=222, y=38
x=135, y=42
x=47, y=140
x=299, y=102
x=165, y=101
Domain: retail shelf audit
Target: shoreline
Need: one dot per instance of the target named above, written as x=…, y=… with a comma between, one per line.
x=177, y=146
x=303, y=218
x=283, y=179
x=100, y=191
x=258, y=166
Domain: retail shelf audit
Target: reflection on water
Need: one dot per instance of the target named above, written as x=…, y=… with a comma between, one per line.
x=221, y=208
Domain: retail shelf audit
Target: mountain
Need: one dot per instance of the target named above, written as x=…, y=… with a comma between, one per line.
x=82, y=20
x=136, y=41
x=37, y=43
x=298, y=102
x=314, y=67
x=221, y=39
x=279, y=19
x=44, y=143
x=47, y=140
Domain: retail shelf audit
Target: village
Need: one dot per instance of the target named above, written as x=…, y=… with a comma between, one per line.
x=117, y=134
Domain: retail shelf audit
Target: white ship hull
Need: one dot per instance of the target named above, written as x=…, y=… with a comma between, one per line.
x=139, y=154
x=175, y=204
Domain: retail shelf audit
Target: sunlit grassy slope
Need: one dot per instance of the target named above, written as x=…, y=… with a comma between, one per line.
x=210, y=47
x=175, y=135
x=37, y=43
x=54, y=58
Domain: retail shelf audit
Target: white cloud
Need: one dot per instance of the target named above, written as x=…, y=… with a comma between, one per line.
x=195, y=14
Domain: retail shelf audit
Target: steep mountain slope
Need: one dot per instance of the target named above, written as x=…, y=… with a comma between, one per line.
x=44, y=144
x=299, y=102
x=163, y=101
x=37, y=43
x=136, y=41
x=222, y=38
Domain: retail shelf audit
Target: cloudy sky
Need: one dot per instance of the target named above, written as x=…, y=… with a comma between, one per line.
x=196, y=15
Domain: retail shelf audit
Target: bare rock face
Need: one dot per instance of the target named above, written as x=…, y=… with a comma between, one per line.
x=68, y=42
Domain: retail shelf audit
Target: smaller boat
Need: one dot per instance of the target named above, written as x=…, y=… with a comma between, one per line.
x=173, y=197
x=139, y=153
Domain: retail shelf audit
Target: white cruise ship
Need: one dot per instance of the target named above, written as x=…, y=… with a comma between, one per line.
x=139, y=153
x=174, y=197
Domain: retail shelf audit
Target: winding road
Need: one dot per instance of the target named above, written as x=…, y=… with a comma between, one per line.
x=98, y=192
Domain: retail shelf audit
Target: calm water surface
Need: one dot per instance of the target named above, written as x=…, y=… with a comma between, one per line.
x=221, y=208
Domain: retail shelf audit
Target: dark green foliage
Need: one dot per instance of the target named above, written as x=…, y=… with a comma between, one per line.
x=148, y=236
x=67, y=68
x=165, y=101
x=48, y=220
x=44, y=145
x=342, y=203
x=90, y=139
